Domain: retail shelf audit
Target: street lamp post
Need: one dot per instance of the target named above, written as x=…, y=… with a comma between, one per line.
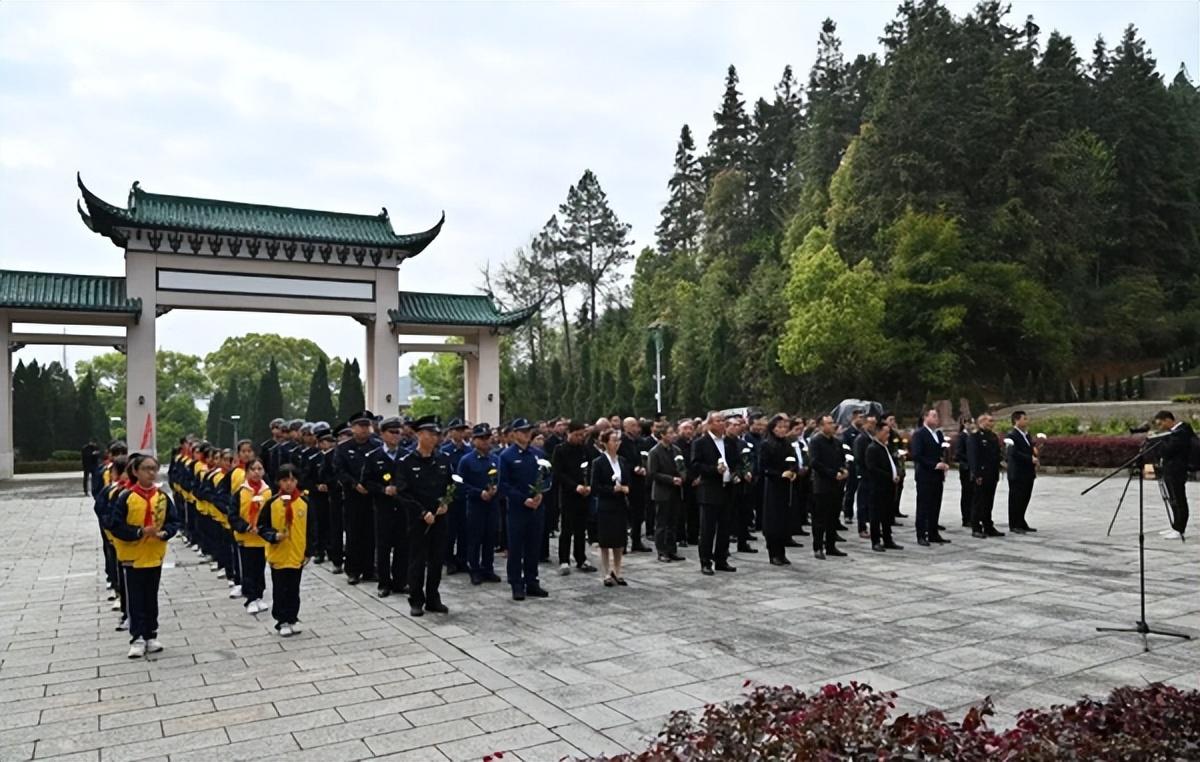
x=656, y=329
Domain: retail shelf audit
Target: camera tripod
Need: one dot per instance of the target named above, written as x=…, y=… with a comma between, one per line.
x=1137, y=462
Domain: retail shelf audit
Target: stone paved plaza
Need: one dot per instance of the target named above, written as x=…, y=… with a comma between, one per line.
x=590, y=670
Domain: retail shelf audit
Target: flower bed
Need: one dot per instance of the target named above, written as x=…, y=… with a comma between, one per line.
x=853, y=722
x=1089, y=452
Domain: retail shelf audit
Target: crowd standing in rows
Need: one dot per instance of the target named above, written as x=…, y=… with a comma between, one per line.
x=394, y=502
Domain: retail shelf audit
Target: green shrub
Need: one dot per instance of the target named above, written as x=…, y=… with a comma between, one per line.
x=74, y=455
x=44, y=467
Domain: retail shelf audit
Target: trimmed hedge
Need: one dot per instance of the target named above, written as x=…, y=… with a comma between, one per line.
x=1089, y=452
x=853, y=722
x=47, y=467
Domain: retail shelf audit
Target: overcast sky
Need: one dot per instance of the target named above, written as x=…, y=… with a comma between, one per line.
x=487, y=111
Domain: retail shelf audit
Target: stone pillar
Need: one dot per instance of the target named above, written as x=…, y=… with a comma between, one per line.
x=487, y=388
x=6, y=416
x=369, y=369
x=470, y=387
x=383, y=351
x=141, y=388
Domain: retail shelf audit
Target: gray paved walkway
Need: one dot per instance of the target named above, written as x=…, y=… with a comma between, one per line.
x=589, y=670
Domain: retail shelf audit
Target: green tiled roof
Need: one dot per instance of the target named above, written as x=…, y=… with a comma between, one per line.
x=156, y=211
x=455, y=309
x=73, y=293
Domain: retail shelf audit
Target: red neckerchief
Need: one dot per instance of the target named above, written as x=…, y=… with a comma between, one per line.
x=149, y=496
x=287, y=508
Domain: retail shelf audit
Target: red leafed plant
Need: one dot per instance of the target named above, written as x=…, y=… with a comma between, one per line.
x=1089, y=452
x=853, y=722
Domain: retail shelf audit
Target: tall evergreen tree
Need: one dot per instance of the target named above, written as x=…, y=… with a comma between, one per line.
x=214, y=423
x=556, y=401
x=643, y=386
x=90, y=413
x=597, y=243
x=582, y=401
x=679, y=229
x=268, y=403
x=720, y=385
x=233, y=404
x=550, y=246
x=352, y=397
x=64, y=429
x=623, y=399
x=320, y=399
x=728, y=143
x=774, y=134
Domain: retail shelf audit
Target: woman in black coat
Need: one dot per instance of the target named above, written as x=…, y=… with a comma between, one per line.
x=777, y=460
x=610, y=487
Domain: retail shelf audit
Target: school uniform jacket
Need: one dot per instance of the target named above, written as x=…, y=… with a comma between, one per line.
x=246, y=514
x=290, y=550
x=134, y=510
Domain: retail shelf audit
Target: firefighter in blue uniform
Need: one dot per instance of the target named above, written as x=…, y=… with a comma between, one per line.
x=523, y=481
x=480, y=472
x=454, y=448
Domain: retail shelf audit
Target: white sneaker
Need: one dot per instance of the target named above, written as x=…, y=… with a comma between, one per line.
x=116, y=606
x=295, y=629
x=235, y=591
x=1171, y=535
x=214, y=566
x=108, y=586
x=257, y=607
x=231, y=583
x=564, y=570
x=285, y=630
x=153, y=646
x=123, y=625
x=137, y=649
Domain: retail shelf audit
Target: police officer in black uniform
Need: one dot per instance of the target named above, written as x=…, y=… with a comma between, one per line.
x=424, y=478
x=266, y=447
x=983, y=461
x=382, y=478
x=349, y=462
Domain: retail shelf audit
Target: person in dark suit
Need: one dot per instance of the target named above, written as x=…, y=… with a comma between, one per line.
x=1022, y=470
x=849, y=437
x=1174, y=454
x=898, y=447
x=927, y=453
x=881, y=474
x=610, y=485
x=829, y=473
x=862, y=503
x=633, y=444
x=666, y=472
x=715, y=459
x=801, y=486
x=688, y=532
x=779, y=466
x=966, y=501
x=983, y=460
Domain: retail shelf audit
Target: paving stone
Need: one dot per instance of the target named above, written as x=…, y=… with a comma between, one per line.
x=505, y=740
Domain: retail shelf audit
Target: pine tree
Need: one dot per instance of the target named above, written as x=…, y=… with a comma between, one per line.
x=608, y=393
x=623, y=399
x=582, y=380
x=214, y=419
x=728, y=146
x=64, y=429
x=775, y=130
x=233, y=404
x=720, y=383
x=1006, y=388
x=596, y=243
x=320, y=399
x=679, y=229
x=352, y=395
x=268, y=403
x=90, y=413
x=556, y=401
x=644, y=389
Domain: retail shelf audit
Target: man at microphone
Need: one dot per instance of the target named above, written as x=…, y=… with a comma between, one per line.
x=1173, y=452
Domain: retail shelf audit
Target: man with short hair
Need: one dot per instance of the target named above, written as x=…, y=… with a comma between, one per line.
x=1174, y=454
x=1022, y=470
x=480, y=472
x=385, y=478
x=928, y=454
x=265, y=448
x=635, y=451
x=859, y=450
x=454, y=448
x=716, y=459
x=349, y=463
x=688, y=529
x=570, y=463
x=849, y=437
x=827, y=460
x=423, y=477
x=666, y=472
x=983, y=461
x=523, y=481
x=880, y=473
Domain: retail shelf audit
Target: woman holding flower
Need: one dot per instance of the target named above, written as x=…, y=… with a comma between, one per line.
x=780, y=468
x=610, y=486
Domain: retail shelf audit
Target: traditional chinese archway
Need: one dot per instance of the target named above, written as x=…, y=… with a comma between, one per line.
x=206, y=254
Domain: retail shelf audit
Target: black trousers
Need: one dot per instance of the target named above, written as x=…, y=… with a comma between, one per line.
x=851, y=489
x=983, y=497
x=1176, y=493
x=690, y=517
x=573, y=510
x=966, y=501
x=285, y=596
x=254, y=572
x=320, y=513
x=336, y=542
x=553, y=518
x=360, y=534
x=745, y=505
x=896, y=500
x=426, y=551
x=1020, y=491
x=929, y=507
x=667, y=515
x=801, y=497
x=392, y=546
x=824, y=519
x=880, y=510
x=716, y=521
x=637, y=514
x=141, y=591
x=776, y=524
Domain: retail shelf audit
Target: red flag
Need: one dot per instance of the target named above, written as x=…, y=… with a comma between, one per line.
x=147, y=433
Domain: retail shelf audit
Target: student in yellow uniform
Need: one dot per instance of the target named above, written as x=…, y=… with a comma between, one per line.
x=284, y=523
x=249, y=500
x=141, y=520
x=104, y=501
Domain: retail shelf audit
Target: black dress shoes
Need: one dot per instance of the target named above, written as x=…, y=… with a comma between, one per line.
x=745, y=548
x=892, y=546
x=790, y=543
x=819, y=555
x=941, y=528
x=777, y=562
x=923, y=542
x=384, y=591
x=707, y=571
x=676, y=557
x=834, y=552
x=979, y=535
x=585, y=567
x=878, y=547
x=725, y=568
x=537, y=592
x=841, y=527
x=993, y=532
x=417, y=610
x=437, y=608
x=939, y=539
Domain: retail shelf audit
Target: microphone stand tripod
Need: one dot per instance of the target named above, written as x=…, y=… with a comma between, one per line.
x=1137, y=462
